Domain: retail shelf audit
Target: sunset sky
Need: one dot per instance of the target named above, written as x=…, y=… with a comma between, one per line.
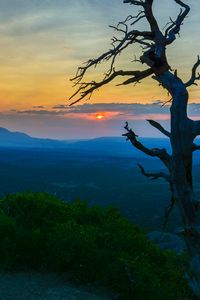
x=44, y=41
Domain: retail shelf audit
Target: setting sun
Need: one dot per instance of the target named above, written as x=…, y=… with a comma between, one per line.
x=99, y=116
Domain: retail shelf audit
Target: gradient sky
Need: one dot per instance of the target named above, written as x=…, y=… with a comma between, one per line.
x=43, y=42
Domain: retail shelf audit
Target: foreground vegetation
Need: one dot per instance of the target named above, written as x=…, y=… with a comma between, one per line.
x=97, y=245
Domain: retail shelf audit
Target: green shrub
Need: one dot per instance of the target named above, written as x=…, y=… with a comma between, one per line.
x=96, y=245
x=7, y=240
x=34, y=210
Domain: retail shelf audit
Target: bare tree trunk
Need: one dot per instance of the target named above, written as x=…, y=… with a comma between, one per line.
x=182, y=137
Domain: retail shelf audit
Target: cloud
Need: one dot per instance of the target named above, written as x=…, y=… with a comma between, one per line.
x=120, y=111
x=110, y=109
x=80, y=121
x=128, y=108
x=39, y=106
x=117, y=109
x=60, y=106
x=39, y=112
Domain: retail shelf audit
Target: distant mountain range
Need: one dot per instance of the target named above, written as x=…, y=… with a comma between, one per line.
x=20, y=139
x=104, y=145
x=109, y=146
x=119, y=145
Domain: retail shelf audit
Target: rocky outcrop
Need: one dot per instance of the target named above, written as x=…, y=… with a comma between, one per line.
x=168, y=241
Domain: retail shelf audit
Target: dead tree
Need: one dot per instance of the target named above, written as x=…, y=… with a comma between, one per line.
x=154, y=43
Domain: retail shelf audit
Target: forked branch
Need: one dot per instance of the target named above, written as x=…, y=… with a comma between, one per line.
x=176, y=25
x=155, y=152
x=195, y=76
x=165, y=176
x=129, y=38
x=87, y=88
x=126, y=38
x=152, y=41
x=154, y=176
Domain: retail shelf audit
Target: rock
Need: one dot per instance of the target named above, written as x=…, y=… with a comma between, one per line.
x=168, y=241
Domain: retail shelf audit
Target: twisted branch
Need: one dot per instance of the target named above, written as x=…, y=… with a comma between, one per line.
x=195, y=76
x=159, y=127
x=87, y=88
x=155, y=152
x=129, y=38
x=119, y=44
x=175, y=29
x=154, y=176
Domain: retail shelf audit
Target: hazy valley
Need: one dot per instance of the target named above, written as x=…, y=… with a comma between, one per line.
x=102, y=171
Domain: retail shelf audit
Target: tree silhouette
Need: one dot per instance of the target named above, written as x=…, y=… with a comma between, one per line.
x=154, y=42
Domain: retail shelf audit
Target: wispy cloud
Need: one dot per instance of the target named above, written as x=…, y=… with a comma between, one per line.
x=120, y=111
x=39, y=106
x=60, y=106
x=81, y=122
x=40, y=112
x=116, y=110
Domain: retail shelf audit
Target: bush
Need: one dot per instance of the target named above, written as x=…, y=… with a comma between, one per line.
x=97, y=245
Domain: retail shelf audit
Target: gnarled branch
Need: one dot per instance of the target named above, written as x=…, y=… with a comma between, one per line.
x=87, y=88
x=175, y=29
x=150, y=16
x=139, y=75
x=129, y=38
x=155, y=152
x=159, y=127
x=154, y=176
x=195, y=76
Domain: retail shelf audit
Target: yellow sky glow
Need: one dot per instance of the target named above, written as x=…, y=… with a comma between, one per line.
x=40, y=53
x=43, y=43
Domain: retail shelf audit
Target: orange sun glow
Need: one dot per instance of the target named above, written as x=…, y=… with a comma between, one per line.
x=99, y=116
